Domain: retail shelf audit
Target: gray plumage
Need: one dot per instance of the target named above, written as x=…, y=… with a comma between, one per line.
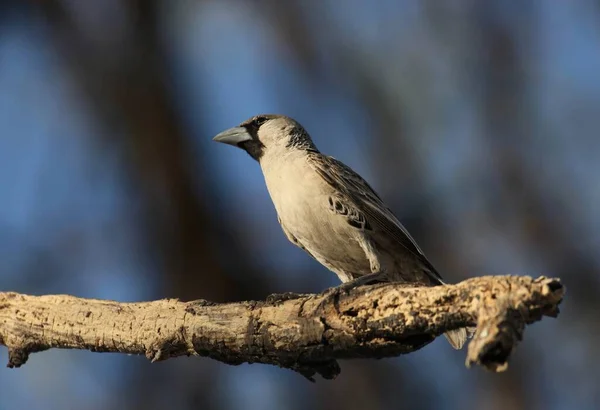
x=329, y=211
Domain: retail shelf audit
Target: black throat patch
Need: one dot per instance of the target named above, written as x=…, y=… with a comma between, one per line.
x=254, y=148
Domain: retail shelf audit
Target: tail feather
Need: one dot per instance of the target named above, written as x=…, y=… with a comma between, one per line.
x=457, y=337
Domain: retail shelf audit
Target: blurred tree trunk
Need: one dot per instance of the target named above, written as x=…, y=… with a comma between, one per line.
x=126, y=76
x=119, y=61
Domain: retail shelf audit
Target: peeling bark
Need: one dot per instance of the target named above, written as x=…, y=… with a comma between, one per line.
x=305, y=333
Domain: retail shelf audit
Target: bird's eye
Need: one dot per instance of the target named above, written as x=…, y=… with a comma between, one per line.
x=258, y=121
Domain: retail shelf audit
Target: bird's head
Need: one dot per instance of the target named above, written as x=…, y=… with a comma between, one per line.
x=267, y=134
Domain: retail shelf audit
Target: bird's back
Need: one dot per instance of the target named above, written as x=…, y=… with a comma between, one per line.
x=400, y=255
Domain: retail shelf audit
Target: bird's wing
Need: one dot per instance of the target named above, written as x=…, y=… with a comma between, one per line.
x=369, y=206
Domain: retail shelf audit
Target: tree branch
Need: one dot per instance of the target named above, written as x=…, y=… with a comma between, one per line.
x=306, y=333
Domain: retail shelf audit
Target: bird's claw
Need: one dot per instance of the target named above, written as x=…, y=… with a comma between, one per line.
x=282, y=297
x=330, y=296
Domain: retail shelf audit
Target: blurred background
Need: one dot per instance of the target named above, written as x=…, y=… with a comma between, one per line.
x=476, y=121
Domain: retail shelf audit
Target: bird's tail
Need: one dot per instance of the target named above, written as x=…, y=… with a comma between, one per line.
x=457, y=337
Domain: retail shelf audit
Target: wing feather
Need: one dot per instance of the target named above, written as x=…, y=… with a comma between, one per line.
x=366, y=201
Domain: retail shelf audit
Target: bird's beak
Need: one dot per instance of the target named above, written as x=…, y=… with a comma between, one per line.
x=233, y=136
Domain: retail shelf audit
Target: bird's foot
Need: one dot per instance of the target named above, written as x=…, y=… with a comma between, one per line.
x=282, y=297
x=195, y=306
x=332, y=295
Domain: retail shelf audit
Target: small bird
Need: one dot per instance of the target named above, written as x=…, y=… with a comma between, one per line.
x=329, y=211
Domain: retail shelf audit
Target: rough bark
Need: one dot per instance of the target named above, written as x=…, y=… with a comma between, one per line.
x=306, y=333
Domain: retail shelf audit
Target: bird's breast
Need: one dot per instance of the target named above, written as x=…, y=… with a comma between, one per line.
x=300, y=197
x=296, y=193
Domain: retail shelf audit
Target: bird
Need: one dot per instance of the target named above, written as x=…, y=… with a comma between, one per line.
x=331, y=212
